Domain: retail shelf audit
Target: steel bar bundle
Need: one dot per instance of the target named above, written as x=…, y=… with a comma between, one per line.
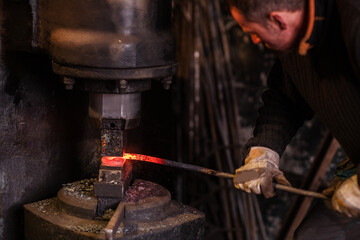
x=209, y=126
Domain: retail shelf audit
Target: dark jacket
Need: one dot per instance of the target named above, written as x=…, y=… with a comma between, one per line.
x=323, y=78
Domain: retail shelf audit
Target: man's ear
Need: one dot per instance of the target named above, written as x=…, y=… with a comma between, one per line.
x=279, y=20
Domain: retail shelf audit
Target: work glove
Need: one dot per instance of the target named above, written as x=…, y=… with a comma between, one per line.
x=260, y=169
x=345, y=196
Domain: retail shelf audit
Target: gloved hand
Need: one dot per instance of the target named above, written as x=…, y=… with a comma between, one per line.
x=261, y=165
x=346, y=197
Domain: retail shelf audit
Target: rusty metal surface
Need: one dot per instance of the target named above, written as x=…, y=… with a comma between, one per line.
x=112, y=137
x=78, y=198
x=117, y=218
x=112, y=142
x=147, y=215
x=113, y=181
x=44, y=221
x=46, y=136
x=145, y=201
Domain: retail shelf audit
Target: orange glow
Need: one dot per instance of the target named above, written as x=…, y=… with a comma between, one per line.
x=113, y=161
x=134, y=156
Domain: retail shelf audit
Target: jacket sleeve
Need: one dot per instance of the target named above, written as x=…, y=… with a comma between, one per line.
x=349, y=12
x=282, y=113
x=350, y=26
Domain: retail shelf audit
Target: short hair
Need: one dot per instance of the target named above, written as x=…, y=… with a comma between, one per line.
x=258, y=10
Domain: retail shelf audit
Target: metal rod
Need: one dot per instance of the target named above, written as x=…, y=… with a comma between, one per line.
x=190, y=167
x=247, y=216
x=230, y=78
x=194, y=168
x=259, y=218
x=226, y=130
x=300, y=191
x=115, y=221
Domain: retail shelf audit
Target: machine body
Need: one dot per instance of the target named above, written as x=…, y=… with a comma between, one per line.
x=112, y=49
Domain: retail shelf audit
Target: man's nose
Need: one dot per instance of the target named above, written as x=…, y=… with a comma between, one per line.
x=255, y=38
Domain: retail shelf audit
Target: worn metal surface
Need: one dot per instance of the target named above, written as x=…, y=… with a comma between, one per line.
x=96, y=39
x=113, y=86
x=112, y=142
x=112, y=137
x=44, y=221
x=45, y=134
x=78, y=199
x=113, y=181
x=144, y=201
x=117, y=218
x=115, y=74
x=149, y=213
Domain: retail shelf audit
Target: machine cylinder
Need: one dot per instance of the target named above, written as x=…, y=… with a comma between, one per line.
x=104, y=34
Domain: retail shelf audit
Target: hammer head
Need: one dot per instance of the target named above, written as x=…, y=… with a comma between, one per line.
x=113, y=179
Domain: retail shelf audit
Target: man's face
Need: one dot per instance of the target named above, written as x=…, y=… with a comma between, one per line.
x=269, y=33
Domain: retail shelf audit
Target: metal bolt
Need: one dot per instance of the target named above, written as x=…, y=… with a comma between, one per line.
x=166, y=83
x=69, y=83
x=123, y=84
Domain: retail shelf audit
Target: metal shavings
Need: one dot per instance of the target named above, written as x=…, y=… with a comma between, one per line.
x=107, y=215
x=46, y=205
x=81, y=189
x=91, y=228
